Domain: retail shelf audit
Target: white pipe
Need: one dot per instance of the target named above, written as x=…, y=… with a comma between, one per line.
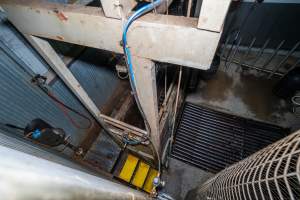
x=26, y=177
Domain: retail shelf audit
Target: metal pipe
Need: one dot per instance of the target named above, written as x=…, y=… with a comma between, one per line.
x=246, y=54
x=124, y=126
x=23, y=176
x=234, y=53
x=256, y=68
x=176, y=106
x=189, y=10
x=224, y=47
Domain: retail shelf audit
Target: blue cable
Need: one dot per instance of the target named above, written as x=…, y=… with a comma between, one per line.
x=131, y=19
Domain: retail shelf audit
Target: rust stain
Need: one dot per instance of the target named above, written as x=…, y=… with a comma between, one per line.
x=60, y=37
x=61, y=16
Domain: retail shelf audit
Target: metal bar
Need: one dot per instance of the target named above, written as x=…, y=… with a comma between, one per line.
x=224, y=47
x=257, y=68
x=261, y=51
x=234, y=53
x=242, y=61
x=55, y=62
x=189, y=10
x=23, y=176
x=274, y=54
x=88, y=26
x=123, y=125
x=284, y=60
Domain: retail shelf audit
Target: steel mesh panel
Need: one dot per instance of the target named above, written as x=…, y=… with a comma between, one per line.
x=272, y=173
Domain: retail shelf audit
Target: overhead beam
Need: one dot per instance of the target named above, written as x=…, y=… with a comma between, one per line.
x=213, y=14
x=183, y=43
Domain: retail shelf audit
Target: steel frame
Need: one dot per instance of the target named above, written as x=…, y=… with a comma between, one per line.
x=154, y=37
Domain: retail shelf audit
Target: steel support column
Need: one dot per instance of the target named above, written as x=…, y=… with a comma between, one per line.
x=145, y=76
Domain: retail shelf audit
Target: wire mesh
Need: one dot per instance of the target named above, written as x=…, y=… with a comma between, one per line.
x=270, y=174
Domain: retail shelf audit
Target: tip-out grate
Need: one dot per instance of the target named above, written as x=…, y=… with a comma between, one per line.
x=213, y=140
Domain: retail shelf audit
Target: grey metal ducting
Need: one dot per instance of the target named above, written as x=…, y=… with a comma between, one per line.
x=9, y=139
x=23, y=176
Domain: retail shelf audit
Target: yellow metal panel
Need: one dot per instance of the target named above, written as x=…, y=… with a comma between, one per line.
x=148, y=186
x=128, y=168
x=140, y=175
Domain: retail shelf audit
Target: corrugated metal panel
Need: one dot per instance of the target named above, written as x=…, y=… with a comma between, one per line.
x=21, y=102
x=98, y=81
x=15, y=41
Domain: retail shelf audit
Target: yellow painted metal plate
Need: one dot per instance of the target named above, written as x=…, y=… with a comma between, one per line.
x=128, y=168
x=140, y=175
x=148, y=186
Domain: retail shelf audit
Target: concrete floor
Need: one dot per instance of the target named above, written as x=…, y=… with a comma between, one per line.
x=248, y=95
x=181, y=178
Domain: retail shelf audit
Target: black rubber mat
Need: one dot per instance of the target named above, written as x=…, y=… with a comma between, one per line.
x=213, y=140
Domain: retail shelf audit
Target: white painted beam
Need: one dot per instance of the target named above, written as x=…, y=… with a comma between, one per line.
x=170, y=39
x=55, y=62
x=213, y=14
x=145, y=77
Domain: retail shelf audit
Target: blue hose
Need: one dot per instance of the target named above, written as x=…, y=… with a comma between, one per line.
x=131, y=19
x=127, y=54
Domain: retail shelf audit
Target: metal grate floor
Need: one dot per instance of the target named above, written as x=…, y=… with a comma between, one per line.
x=213, y=140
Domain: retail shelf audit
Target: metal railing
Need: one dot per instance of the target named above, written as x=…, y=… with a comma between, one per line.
x=264, y=59
x=272, y=173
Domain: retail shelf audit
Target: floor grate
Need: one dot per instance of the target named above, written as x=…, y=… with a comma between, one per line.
x=212, y=140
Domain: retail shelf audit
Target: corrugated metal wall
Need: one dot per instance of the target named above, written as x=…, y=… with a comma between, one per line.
x=20, y=101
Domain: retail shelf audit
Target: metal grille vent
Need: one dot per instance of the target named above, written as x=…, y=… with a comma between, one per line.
x=272, y=173
x=213, y=140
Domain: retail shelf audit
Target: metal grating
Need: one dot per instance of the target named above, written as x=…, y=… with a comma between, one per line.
x=213, y=140
x=272, y=173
